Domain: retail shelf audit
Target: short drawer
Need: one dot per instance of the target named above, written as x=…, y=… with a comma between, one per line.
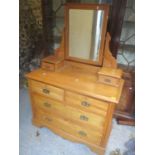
x=47, y=66
x=47, y=90
x=86, y=103
x=82, y=117
x=109, y=80
x=69, y=127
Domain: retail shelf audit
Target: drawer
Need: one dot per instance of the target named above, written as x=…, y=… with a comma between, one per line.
x=86, y=103
x=109, y=80
x=50, y=120
x=47, y=90
x=76, y=115
x=47, y=66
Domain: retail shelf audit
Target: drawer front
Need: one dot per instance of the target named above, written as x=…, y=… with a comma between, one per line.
x=47, y=90
x=69, y=127
x=47, y=66
x=109, y=80
x=86, y=103
x=85, y=118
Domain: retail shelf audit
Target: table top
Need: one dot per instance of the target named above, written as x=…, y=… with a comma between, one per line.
x=78, y=81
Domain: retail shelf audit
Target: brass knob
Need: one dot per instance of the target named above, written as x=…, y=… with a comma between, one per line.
x=84, y=118
x=46, y=91
x=85, y=103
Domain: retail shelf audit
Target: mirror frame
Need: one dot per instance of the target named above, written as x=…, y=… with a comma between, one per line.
x=85, y=6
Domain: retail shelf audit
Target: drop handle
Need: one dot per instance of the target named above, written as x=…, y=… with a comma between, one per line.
x=46, y=104
x=48, y=119
x=85, y=104
x=82, y=133
x=84, y=118
x=46, y=91
x=107, y=80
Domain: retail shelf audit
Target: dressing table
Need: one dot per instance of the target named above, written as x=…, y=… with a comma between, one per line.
x=75, y=91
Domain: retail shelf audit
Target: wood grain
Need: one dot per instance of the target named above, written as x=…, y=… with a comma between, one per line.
x=66, y=95
x=85, y=84
x=47, y=66
x=47, y=90
x=71, y=128
x=86, y=103
x=68, y=112
x=109, y=60
x=96, y=148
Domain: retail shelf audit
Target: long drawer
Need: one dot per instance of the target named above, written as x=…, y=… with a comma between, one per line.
x=70, y=113
x=71, y=128
x=86, y=103
x=47, y=90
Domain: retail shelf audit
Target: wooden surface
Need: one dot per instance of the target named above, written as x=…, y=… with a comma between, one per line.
x=92, y=105
x=67, y=97
x=69, y=127
x=81, y=82
x=110, y=76
x=72, y=103
x=47, y=90
x=108, y=59
x=52, y=59
x=52, y=62
x=48, y=66
x=109, y=80
x=117, y=73
x=64, y=110
x=96, y=148
x=126, y=108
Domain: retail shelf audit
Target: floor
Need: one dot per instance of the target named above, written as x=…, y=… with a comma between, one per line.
x=36, y=141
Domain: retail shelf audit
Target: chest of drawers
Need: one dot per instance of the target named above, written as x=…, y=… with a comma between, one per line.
x=73, y=105
x=73, y=94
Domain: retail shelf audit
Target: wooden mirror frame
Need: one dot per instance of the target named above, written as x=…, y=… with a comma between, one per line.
x=104, y=7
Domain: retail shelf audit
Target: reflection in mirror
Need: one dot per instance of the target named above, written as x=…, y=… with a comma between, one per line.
x=85, y=29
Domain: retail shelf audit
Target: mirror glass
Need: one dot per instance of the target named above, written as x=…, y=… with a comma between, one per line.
x=85, y=29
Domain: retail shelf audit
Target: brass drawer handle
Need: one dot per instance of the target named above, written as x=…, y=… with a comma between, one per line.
x=82, y=133
x=46, y=91
x=107, y=80
x=84, y=103
x=46, y=104
x=48, y=119
x=84, y=118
